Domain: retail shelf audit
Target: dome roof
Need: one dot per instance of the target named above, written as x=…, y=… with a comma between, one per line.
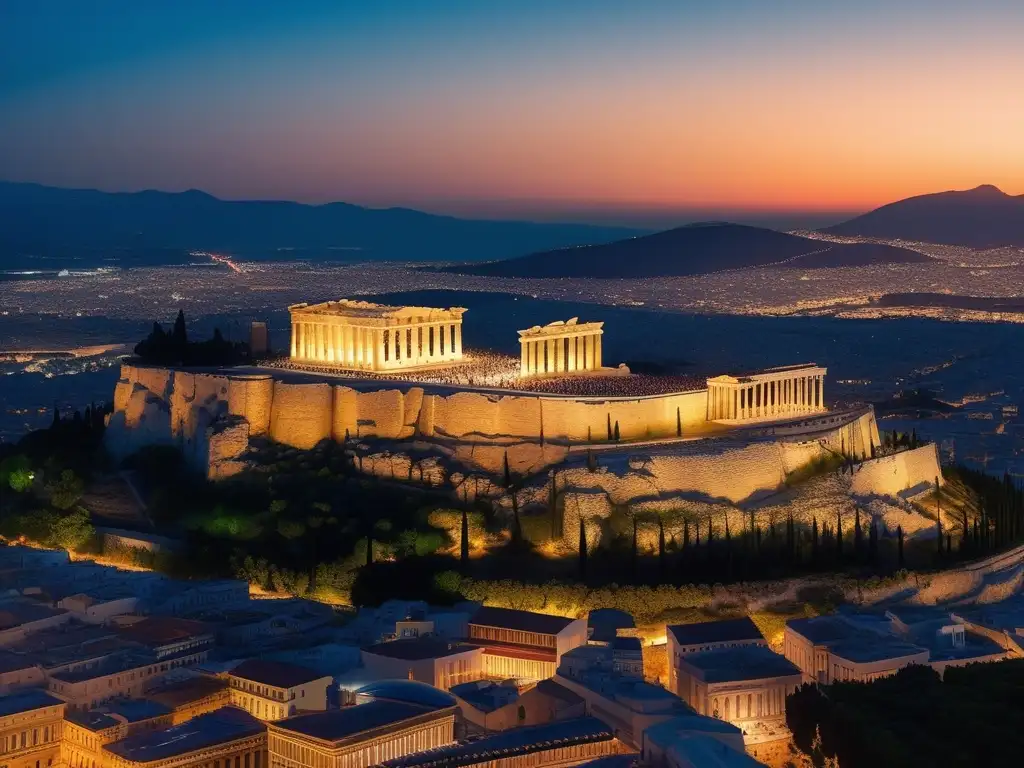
x=408, y=691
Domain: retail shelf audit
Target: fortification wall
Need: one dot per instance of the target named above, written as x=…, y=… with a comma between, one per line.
x=901, y=474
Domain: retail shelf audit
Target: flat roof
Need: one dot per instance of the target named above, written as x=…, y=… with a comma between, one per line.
x=338, y=724
x=14, y=613
x=279, y=674
x=418, y=648
x=728, y=630
x=25, y=701
x=187, y=691
x=869, y=649
x=514, y=741
x=163, y=630
x=109, y=666
x=747, y=662
x=221, y=726
x=822, y=629
x=112, y=713
x=523, y=621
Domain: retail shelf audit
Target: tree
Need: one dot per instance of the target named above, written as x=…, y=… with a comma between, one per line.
x=16, y=473
x=634, y=554
x=179, y=335
x=517, y=528
x=70, y=531
x=521, y=714
x=464, y=542
x=616, y=433
x=506, y=472
x=609, y=417
x=873, y=541
x=661, y=549
x=839, y=535
x=56, y=417
x=66, y=491
x=591, y=460
x=858, y=534
x=899, y=545
x=583, y=551
x=679, y=423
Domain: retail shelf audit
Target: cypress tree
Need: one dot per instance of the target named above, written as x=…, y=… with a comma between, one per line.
x=977, y=541
x=609, y=427
x=679, y=423
x=553, y=503
x=517, y=531
x=873, y=541
x=506, y=472
x=635, y=554
x=179, y=336
x=757, y=539
x=790, y=538
x=616, y=430
x=686, y=534
x=696, y=528
x=965, y=530
x=591, y=460
x=899, y=545
x=56, y=417
x=814, y=540
x=464, y=548
x=661, y=549
x=949, y=544
x=839, y=535
x=858, y=534
x=938, y=528
x=583, y=551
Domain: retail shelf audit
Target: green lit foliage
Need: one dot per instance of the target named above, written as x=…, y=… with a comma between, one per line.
x=65, y=492
x=16, y=473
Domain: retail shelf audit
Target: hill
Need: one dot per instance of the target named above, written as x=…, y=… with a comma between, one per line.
x=692, y=250
x=983, y=217
x=53, y=222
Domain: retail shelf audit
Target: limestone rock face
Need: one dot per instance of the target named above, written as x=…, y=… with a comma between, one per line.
x=901, y=474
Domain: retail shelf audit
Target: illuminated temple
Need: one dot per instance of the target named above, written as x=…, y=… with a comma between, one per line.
x=365, y=336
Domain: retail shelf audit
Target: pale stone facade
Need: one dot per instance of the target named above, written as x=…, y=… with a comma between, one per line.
x=365, y=336
x=560, y=348
x=776, y=393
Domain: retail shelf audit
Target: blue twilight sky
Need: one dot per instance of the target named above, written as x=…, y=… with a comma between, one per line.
x=498, y=107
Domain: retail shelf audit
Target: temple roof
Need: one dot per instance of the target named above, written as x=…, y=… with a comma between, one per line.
x=369, y=310
x=558, y=327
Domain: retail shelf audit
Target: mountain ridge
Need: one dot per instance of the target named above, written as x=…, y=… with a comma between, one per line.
x=982, y=217
x=694, y=249
x=49, y=221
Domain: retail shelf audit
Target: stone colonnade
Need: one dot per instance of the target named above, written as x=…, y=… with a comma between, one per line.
x=773, y=394
x=386, y=339
x=560, y=348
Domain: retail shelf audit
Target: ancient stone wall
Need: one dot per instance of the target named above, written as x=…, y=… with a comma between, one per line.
x=902, y=473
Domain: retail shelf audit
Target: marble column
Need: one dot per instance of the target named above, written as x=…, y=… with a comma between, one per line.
x=524, y=358
x=597, y=351
x=571, y=362
x=458, y=340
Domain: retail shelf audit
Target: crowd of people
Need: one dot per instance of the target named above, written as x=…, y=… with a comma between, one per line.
x=482, y=368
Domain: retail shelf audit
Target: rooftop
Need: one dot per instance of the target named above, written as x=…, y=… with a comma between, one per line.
x=729, y=630
x=125, y=710
x=278, y=674
x=871, y=649
x=14, y=613
x=822, y=629
x=25, y=701
x=371, y=310
x=515, y=741
x=524, y=621
x=155, y=631
x=187, y=691
x=108, y=666
x=338, y=724
x=219, y=727
x=748, y=662
x=417, y=649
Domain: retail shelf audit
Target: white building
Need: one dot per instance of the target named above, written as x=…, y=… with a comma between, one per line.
x=274, y=690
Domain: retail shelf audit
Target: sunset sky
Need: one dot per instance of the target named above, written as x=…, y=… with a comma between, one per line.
x=554, y=108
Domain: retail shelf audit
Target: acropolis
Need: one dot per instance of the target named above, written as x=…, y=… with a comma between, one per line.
x=395, y=386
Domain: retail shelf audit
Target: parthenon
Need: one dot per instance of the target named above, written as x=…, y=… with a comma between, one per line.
x=560, y=347
x=362, y=335
x=774, y=393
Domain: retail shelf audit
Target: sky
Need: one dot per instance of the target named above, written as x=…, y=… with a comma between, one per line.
x=627, y=110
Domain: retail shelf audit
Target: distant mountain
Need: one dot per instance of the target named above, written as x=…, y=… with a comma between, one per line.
x=53, y=222
x=983, y=217
x=692, y=250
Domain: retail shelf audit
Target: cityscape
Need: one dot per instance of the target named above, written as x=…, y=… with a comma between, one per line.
x=502, y=386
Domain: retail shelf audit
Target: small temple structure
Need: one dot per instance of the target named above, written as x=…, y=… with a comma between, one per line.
x=775, y=393
x=560, y=347
x=361, y=335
